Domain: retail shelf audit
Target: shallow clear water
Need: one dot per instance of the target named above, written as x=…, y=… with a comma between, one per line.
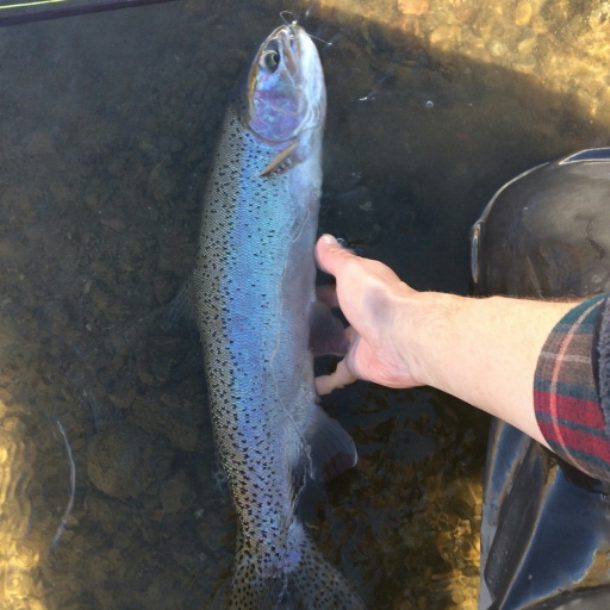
x=106, y=127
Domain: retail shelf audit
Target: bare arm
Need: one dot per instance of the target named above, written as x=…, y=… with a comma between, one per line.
x=483, y=351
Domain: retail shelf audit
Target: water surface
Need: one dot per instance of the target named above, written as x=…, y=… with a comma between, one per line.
x=107, y=126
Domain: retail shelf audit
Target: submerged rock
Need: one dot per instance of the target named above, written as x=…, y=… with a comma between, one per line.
x=123, y=461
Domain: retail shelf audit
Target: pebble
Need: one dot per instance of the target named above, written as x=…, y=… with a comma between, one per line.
x=445, y=36
x=123, y=461
x=160, y=184
x=525, y=47
x=114, y=223
x=176, y=494
x=413, y=7
x=498, y=48
x=523, y=13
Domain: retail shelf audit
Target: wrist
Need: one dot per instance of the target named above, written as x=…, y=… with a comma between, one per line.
x=483, y=351
x=424, y=320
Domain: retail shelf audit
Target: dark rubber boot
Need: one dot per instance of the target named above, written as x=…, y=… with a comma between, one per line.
x=545, y=536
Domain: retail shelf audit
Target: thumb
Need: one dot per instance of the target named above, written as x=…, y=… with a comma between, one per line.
x=331, y=255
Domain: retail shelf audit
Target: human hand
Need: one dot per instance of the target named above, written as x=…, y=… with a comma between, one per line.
x=370, y=296
x=483, y=351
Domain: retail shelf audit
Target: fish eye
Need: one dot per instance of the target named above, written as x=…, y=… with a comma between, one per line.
x=271, y=60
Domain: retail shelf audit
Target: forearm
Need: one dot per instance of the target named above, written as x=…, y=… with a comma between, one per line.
x=483, y=351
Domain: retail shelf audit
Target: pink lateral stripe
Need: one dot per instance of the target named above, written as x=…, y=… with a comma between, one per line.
x=574, y=410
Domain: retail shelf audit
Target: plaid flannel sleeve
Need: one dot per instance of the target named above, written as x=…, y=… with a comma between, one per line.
x=571, y=397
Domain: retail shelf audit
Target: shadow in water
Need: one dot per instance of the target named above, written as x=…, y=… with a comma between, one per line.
x=108, y=124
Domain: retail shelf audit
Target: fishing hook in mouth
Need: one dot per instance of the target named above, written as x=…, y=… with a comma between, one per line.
x=327, y=43
x=290, y=19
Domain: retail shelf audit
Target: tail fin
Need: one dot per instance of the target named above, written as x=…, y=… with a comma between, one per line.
x=305, y=580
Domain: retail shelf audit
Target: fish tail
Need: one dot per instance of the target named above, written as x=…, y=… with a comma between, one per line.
x=305, y=580
x=315, y=584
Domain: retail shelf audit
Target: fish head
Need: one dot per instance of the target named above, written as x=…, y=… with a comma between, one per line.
x=286, y=95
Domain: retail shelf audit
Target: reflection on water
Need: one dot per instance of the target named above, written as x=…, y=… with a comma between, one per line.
x=107, y=127
x=562, y=45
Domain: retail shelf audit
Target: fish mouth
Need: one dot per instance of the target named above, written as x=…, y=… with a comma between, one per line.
x=289, y=41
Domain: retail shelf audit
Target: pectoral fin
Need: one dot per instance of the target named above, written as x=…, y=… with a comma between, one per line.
x=326, y=333
x=180, y=313
x=332, y=450
x=282, y=162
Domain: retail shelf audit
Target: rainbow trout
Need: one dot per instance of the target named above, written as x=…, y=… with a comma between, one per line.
x=255, y=301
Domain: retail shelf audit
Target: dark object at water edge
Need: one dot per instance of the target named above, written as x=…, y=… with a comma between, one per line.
x=545, y=531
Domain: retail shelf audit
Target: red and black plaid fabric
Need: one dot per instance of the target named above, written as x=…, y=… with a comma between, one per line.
x=566, y=390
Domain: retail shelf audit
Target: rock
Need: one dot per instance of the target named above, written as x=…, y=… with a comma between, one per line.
x=123, y=461
x=413, y=7
x=176, y=494
x=525, y=47
x=160, y=183
x=498, y=49
x=114, y=223
x=523, y=13
x=445, y=36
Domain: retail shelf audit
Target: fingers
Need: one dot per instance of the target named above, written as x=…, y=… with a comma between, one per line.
x=345, y=373
x=330, y=255
x=341, y=377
